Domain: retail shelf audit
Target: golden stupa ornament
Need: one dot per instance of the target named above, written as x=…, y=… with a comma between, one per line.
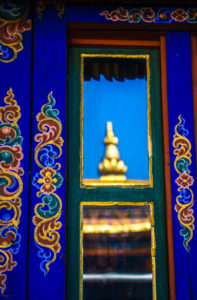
x=112, y=168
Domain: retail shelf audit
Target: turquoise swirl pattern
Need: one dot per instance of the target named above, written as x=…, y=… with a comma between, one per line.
x=11, y=185
x=185, y=198
x=47, y=181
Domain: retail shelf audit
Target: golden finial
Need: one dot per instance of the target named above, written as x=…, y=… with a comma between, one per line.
x=112, y=168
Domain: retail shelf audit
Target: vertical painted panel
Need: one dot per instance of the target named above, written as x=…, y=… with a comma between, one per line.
x=15, y=52
x=183, y=166
x=47, y=228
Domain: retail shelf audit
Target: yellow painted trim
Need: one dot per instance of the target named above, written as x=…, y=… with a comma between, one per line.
x=153, y=242
x=102, y=228
x=89, y=183
x=81, y=254
x=149, y=123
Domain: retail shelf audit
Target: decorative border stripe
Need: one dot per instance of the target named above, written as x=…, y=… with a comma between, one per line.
x=152, y=15
x=13, y=22
x=48, y=180
x=11, y=185
x=185, y=199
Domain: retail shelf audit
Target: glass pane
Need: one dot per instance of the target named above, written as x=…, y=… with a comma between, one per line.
x=117, y=262
x=115, y=101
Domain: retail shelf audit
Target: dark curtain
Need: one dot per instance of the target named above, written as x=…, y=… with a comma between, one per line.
x=114, y=68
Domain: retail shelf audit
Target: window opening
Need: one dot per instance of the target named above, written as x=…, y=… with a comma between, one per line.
x=116, y=88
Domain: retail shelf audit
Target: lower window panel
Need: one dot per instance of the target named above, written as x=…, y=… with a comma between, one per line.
x=117, y=249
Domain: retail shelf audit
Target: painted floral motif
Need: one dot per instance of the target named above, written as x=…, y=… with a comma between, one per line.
x=13, y=22
x=163, y=15
x=147, y=14
x=134, y=16
x=192, y=12
x=179, y=15
x=152, y=15
x=41, y=6
x=185, y=198
x=47, y=181
x=184, y=180
x=116, y=15
x=11, y=185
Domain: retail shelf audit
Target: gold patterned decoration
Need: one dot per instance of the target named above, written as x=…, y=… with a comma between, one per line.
x=47, y=181
x=112, y=167
x=41, y=6
x=116, y=228
x=184, y=181
x=11, y=185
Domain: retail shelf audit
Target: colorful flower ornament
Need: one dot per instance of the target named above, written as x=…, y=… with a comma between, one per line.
x=11, y=185
x=179, y=15
x=47, y=181
x=185, y=198
x=184, y=180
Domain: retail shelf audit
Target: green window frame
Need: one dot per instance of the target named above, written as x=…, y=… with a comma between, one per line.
x=79, y=194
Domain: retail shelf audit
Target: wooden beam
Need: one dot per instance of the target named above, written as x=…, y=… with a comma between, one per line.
x=165, y=121
x=115, y=42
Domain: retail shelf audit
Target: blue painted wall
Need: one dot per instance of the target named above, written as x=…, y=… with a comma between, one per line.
x=13, y=75
x=49, y=74
x=180, y=102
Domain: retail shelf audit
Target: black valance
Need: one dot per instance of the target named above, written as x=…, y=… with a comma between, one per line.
x=117, y=68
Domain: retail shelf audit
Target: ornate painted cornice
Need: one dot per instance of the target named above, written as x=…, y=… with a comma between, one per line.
x=152, y=15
